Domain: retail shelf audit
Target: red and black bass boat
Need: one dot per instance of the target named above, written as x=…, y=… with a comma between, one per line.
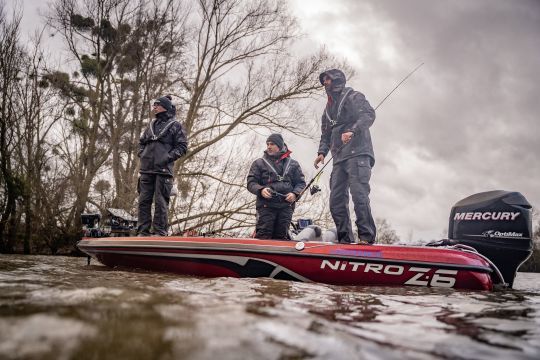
x=489, y=238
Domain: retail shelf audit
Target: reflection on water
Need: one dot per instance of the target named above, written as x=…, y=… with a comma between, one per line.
x=60, y=308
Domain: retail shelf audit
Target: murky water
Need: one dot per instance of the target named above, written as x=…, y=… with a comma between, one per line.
x=60, y=308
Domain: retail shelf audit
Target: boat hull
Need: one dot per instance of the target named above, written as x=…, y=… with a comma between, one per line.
x=328, y=263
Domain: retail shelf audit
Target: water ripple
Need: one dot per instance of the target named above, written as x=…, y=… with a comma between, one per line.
x=60, y=308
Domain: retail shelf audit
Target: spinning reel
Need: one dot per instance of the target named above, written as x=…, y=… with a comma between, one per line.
x=314, y=189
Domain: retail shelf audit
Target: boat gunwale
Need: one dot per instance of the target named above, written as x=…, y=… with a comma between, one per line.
x=293, y=252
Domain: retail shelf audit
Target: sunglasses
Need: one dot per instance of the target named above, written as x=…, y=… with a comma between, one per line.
x=156, y=104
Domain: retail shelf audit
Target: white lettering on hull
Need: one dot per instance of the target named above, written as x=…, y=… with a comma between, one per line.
x=420, y=275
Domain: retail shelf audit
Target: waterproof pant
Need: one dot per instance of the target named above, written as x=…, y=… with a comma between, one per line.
x=158, y=187
x=352, y=174
x=273, y=223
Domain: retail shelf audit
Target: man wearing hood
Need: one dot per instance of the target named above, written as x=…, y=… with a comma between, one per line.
x=345, y=132
x=161, y=144
x=277, y=180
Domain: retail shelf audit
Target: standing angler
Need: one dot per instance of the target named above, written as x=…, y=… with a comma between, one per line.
x=345, y=132
x=278, y=181
x=161, y=144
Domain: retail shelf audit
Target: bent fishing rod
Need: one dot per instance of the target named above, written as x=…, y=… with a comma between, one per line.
x=315, y=188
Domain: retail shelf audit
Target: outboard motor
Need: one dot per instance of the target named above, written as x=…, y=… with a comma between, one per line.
x=498, y=224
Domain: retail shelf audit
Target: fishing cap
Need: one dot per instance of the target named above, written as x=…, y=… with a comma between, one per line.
x=276, y=139
x=165, y=102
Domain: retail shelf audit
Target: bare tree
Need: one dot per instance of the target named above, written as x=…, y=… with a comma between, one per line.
x=28, y=114
x=11, y=61
x=125, y=54
x=385, y=233
x=76, y=127
x=216, y=201
x=149, y=61
x=241, y=79
x=38, y=113
x=226, y=62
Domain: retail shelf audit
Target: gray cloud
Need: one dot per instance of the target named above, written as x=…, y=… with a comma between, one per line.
x=466, y=122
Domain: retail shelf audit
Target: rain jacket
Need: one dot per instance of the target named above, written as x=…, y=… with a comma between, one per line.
x=267, y=172
x=346, y=110
x=161, y=144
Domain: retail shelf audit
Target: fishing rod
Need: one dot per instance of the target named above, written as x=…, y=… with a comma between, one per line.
x=315, y=189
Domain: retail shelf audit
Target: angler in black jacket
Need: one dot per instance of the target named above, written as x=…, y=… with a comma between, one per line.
x=277, y=180
x=161, y=144
x=345, y=132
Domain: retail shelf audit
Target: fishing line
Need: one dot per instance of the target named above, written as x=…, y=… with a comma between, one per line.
x=319, y=173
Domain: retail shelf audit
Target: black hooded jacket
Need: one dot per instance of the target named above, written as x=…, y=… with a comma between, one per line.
x=161, y=144
x=261, y=176
x=346, y=110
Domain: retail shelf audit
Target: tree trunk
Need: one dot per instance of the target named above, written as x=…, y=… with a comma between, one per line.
x=28, y=225
x=12, y=227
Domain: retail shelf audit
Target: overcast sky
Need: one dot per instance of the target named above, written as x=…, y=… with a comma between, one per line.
x=467, y=121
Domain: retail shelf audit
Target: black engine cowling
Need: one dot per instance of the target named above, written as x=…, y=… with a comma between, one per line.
x=498, y=224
